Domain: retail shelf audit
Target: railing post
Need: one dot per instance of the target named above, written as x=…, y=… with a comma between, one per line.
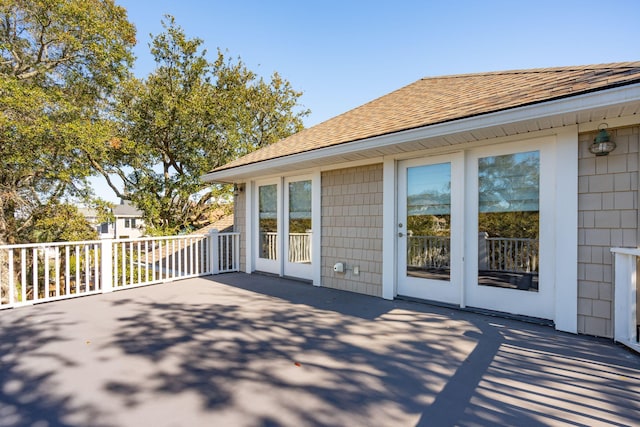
x=106, y=265
x=625, y=298
x=214, y=255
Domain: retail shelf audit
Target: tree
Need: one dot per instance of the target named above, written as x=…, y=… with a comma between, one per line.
x=60, y=222
x=60, y=61
x=186, y=118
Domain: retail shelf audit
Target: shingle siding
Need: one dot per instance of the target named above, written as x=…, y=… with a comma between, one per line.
x=607, y=217
x=352, y=228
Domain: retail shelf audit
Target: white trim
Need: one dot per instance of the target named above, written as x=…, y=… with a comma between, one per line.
x=566, y=230
x=389, y=229
x=624, y=251
x=316, y=227
x=282, y=255
x=593, y=100
x=249, y=227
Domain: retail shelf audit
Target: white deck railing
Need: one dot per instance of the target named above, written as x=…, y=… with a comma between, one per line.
x=625, y=297
x=43, y=272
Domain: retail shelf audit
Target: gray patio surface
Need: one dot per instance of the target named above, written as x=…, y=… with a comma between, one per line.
x=240, y=350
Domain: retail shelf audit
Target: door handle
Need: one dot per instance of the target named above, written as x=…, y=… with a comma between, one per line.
x=400, y=234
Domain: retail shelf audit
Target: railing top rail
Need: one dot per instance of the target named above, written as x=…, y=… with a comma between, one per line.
x=50, y=244
x=148, y=239
x=626, y=251
x=97, y=242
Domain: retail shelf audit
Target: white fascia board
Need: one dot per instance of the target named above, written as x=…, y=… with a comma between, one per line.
x=593, y=100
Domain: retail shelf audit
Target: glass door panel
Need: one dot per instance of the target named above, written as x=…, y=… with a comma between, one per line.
x=299, y=246
x=428, y=207
x=298, y=225
x=509, y=221
x=268, y=222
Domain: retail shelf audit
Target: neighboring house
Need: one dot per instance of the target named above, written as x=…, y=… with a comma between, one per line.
x=91, y=216
x=476, y=190
x=128, y=223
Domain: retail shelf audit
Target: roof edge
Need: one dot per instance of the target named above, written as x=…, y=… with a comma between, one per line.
x=564, y=104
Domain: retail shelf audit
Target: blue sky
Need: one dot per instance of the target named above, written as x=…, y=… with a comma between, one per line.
x=342, y=54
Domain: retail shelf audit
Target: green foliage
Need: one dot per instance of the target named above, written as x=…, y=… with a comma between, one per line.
x=59, y=63
x=186, y=118
x=57, y=222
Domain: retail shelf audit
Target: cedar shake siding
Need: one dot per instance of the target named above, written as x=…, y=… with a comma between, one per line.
x=352, y=228
x=607, y=217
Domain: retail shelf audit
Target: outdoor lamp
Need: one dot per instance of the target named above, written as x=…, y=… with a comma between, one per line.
x=602, y=144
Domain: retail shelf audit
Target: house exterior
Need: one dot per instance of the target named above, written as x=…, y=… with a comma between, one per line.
x=128, y=223
x=476, y=190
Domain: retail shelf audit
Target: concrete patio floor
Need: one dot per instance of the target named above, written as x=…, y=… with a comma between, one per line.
x=240, y=350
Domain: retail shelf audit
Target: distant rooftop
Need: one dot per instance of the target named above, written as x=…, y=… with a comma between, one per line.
x=125, y=208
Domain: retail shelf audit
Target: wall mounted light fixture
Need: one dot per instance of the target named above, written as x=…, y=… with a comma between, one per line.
x=602, y=143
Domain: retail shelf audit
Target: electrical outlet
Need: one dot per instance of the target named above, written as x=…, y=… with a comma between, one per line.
x=356, y=270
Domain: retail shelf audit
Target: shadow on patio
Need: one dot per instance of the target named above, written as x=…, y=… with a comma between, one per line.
x=254, y=350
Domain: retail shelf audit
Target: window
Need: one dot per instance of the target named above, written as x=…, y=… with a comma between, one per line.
x=509, y=221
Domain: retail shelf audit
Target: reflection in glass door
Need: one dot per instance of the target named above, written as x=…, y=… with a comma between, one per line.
x=298, y=243
x=509, y=221
x=429, y=221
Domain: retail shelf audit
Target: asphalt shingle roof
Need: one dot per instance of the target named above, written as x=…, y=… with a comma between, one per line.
x=442, y=99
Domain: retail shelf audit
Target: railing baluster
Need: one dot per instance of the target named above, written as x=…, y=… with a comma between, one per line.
x=87, y=268
x=116, y=276
x=45, y=252
x=34, y=275
x=96, y=270
x=153, y=259
x=57, y=271
x=23, y=274
x=12, y=282
x=67, y=271
x=131, y=257
x=180, y=255
x=138, y=263
x=196, y=245
x=146, y=261
x=123, y=273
